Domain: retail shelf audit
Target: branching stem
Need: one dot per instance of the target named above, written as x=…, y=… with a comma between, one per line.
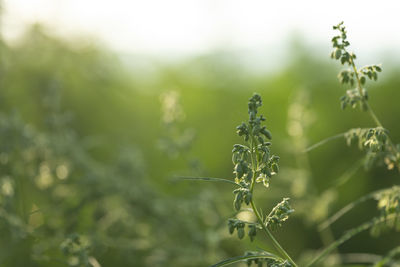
x=253, y=154
x=365, y=102
x=359, y=87
x=275, y=242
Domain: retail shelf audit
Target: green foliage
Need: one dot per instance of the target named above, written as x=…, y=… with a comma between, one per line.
x=66, y=167
x=388, y=205
x=252, y=257
x=254, y=164
x=358, y=96
x=82, y=150
x=340, y=44
x=268, y=262
x=256, y=160
x=389, y=259
x=76, y=251
x=375, y=141
x=279, y=214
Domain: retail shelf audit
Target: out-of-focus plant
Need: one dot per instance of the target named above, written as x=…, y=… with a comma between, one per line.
x=54, y=182
x=175, y=141
x=312, y=205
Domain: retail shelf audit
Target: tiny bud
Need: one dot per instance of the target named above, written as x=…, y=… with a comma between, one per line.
x=240, y=232
x=338, y=53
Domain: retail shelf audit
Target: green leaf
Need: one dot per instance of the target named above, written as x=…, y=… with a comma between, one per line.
x=208, y=179
x=338, y=53
x=240, y=232
x=263, y=255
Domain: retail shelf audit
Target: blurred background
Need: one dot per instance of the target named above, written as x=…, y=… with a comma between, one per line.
x=103, y=103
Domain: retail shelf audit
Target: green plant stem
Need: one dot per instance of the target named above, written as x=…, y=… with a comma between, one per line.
x=243, y=258
x=368, y=107
x=275, y=242
x=326, y=140
x=254, y=166
x=349, y=234
x=210, y=179
x=347, y=208
x=259, y=218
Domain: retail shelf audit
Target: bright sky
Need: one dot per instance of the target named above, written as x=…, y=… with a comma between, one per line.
x=196, y=26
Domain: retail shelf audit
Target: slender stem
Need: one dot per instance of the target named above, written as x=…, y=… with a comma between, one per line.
x=326, y=140
x=369, y=109
x=276, y=243
x=253, y=154
x=253, y=167
x=243, y=258
x=210, y=179
x=349, y=234
x=347, y=208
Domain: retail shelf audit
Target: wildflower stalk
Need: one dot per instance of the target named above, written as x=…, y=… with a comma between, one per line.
x=255, y=164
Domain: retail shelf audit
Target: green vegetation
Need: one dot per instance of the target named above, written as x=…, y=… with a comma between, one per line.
x=91, y=153
x=254, y=164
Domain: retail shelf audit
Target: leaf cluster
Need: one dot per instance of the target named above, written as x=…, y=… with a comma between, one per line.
x=352, y=76
x=279, y=214
x=353, y=98
x=239, y=226
x=242, y=194
x=76, y=251
x=340, y=43
x=269, y=262
x=256, y=158
x=371, y=139
x=376, y=143
x=388, y=205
